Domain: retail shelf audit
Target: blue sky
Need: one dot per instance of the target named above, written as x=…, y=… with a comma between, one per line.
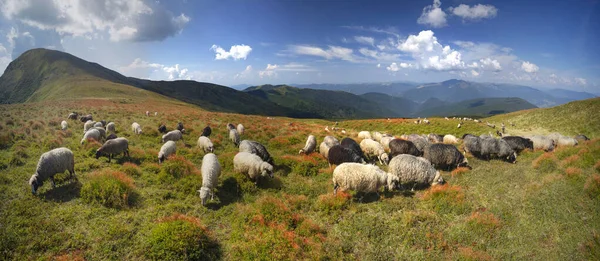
x=549, y=44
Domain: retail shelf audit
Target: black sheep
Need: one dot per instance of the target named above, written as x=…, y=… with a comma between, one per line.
x=86, y=118
x=180, y=126
x=206, y=132
x=338, y=155
x=111, y=136
x=400, y=146
x=162, y=128
x=349, y=143
x=445, y=156
x=518, y=144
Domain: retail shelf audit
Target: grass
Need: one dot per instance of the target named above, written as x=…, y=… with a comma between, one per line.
x=543, y=207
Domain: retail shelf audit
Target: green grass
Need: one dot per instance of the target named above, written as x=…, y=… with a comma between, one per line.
x=496, y=210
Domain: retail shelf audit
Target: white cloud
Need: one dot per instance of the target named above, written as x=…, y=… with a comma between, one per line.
x=430, y=54
x=333, y=52
x=474, y=73
x=489, y=64
x=365, y=40
x=393, y=67
x=245, y=73
x=529, y=67
x=271, y=67
x=378, y=65
x=236, y=52
x=143, y=69
x=378, y=56
x=473, y=65
x=580, y=81
x=269, y=71
x=5, y=58
x=433, y=15
x=476, y=12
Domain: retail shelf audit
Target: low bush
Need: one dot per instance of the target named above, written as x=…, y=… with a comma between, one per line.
x=545, y=163
x=446, y=199
x=113, y=189
x=592, y=186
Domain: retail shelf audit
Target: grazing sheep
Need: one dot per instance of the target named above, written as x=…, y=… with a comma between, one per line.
x=435, y=138
x=162, y=128
x=64, y=125
x=419, y=141
x=173, y=135
x=88, y=125
x=167, y=149
x=472, y=144
x=101, y=130
x=92, y=134
x=206, y=131
x=349, y=143
x=376, y=136
x=114, y=147
x=180, y=126
x=98, y=124
x=541, y=142
x=252, y=166
x=450, y=139
x=309, y=147
x=112, y=136
x=103, y=123
x=211, y=170
x=240, y=129
x=230, y=126
x=364, y=135
x=518, y=144
x=147, y=113
x=554, y=136
x=564, y=141
x=497, y=148
x=205, y=144
x=72, y=116
x=581, y=138
x=459, y=125
x=361, y=178
x=414, y=171
x=86, y=118
x=399, y=146
x=324, y=150
x=385, y=141
x=445, y=156
x=155, y=113
x=136, y=128
x=486, y=136
x=338, y=155
x=373, y=148
x=110, y=127
x=234, y=136
x=254, y=147
x=51, y=163
x=331, y=141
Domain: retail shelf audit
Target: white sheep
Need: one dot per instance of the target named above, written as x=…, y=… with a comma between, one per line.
x=136, y=128
x=252, y=166
x=98, y=124
x=92, y=134
x=450, y=139
x=309, y=147
x=364, y=135
x=331, y=141
x=64, y=125
x=240, y=129
x=361, y=178
x=324, y=150
x=376, y=136
x=101, y=130
x=114, y=147
x=147, y=113
x=167, y=149
x=51, y=163
x=173, y=135
x=155, y=113
x=205, y=144
x=541, y=142
x=211, y=170
x=88, y=125
x=385, y=141
x=372, y=148
x=110, y=127
x=415, y=171
x=234, y=136
x=564, y=141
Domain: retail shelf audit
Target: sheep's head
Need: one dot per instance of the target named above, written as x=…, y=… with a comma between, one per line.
x=384, y=159
x=267, y=169
x=211, y=149
x=528, y=144
x=161, y=157
x=301, y=151
x=438, y=179
x=35, y=184
x=204, y=192
x=392, y=181
x=98, y=153
x=512, y=158
x=464, y=163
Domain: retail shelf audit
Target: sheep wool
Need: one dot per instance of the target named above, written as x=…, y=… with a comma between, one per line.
x=414, y=171
x=255, y=147
x=167, y=149
x=450, y=139
x=64, y=125
x=101, y=130
x=541, y=142
x=240, y=129
x=92, y=134
x=110, y=127
x=173, y=135
x=361, y=178
x=211, y=170
x=324, y=150
x=564, y=141
x=252, y=166
x=113, y=147
x=234, y=136
x=309, y=147
x=331, y=141
x=338, y=155
x=98, y=124
x=136, y=128
x=372, y=148
x=364, y=135
x=88, y=125
x=445, y=156
x=349, y=143
x=385, y=141
x=52, y=162
x=376, y=136
x=205, y=144
x=400, y=146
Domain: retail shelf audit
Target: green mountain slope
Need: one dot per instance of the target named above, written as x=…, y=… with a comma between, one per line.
x=479, y=107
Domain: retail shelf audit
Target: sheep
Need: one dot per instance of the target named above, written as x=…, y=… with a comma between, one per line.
x=86, y=118
x=564, y=141
x=113, y=147
x=155, y=113
x=331, y=141
x=110, y=127
x=72, y=116
x=362, y=178
x=240, y=129
x=364, y=135
x=98, y=124
x=486, y=136
x=385, y=141
x=472, y=144
x=252, y=166
x=497, y=148
x=338, y=155
x=373, y=148
x=309, y=147
x=554, y=136
x=211, y=170
x=349, y=143
x=230, y=126
x=101, y=130
x=167, y=149
x=136, y=128
x=518, y=144
x=254, y=147
x=324, y=150
x=147, y=113
x=541, y=142
x=162, y=128
x=180, y=126
x=173, y=135
x=205, y=144
x=415, y=171
x=92, y=134
x=376, y=136
x=88, y=125
x=399, y=146
x=112, y=136
x=234, y=136
x=51, y=163
x=450, y=139
x=206, y=131
x=581, y=138
x=419, y=141
x=435, y=138
x=64, y=125
x=445, y=156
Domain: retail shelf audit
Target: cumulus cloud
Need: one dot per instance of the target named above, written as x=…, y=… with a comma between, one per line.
x=132, y=20
x=332, y=52
x=433, y=15
x=491, y=65
x=378, y=65
x=378, y=56
x=475, y=12
x=269, y=71
x=474, y=73
x=430, y=54
x=143, y=69
x=245, y=73
x=396, y=67
x=529, y=67
x=236, y=52
x=365, y=40
x=272, y=66
x=272, y=69
x=5, y=58
x=580, y=81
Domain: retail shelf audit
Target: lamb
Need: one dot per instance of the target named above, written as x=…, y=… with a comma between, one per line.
x=88, y=125
x=173, y=135
x=435, y=138
x=445, y=156
x=110, y=127
x=331, y=141
x=252, y=166
x=92, y=134
x=385, y=141
x=373, y=148
x=167, y=149
x=240, y=129
x=497, y=148
x=114, y=147
x=324, y=150
x=234, y=136
x=211, y=170
x=206, y=131
x=364, y=135
x=415, y=171
x=518, y=144
x=136, y=128
x=541, y=142
x=581, y=138
x=362, y=178
x=450, y=139
x=338, y=155
x=72, y=116
x=86, y=118
x=254, y=147
x=64, y=125
x=205, y=144
x=98, y=124
x=399, y=146
x=162, y=128
x=51, y=163
x=309, y=147
x=349, y=143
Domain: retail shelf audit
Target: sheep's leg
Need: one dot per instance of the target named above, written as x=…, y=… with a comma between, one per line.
x=52, y=182
x=109, y=157
x=335, y=188
x=212, y=195
x=413, y=187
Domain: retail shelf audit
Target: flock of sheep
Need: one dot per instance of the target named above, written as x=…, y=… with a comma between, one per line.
x=413, y=160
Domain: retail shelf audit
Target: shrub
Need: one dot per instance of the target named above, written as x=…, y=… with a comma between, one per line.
x=177, y=166
x=592, y=186
x=181, y=237
x=573, y=172
x=131, y=169
x=329, y=204
x=545, y=163
x=468, y=253
x=483, y=222
x=446, y=199
x=459, y=171
x=109, y=188
x=306, y=169
x=5, y=141
x=597, y=166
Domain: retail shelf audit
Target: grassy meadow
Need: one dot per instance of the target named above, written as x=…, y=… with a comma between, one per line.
x=544, y=207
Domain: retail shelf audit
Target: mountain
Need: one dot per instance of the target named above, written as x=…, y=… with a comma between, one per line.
x=482, y=107
x=240, y=86
x=393, y=89
x=569, y=95
x=400, y=106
